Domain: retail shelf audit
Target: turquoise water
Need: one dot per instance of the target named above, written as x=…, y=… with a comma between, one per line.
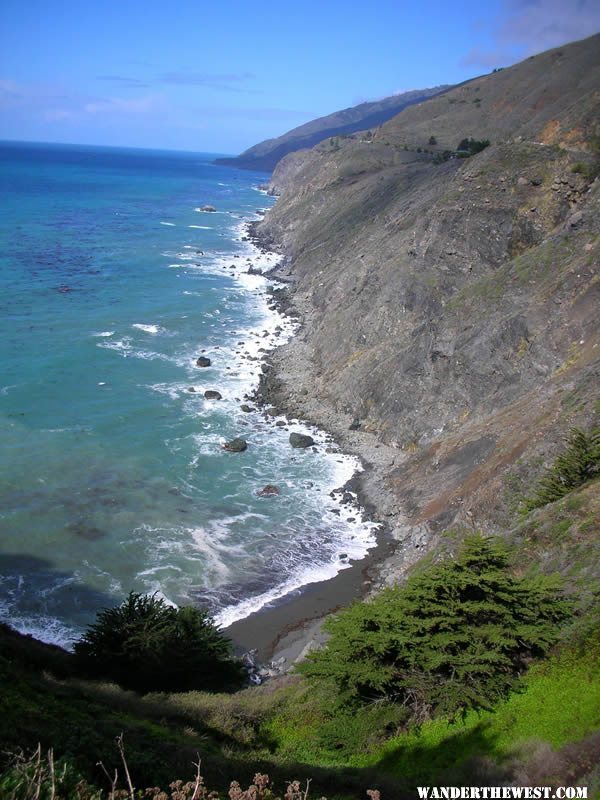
x=113, y=474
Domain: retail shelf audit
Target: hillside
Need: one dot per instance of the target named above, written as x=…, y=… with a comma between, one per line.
x=450, y=326
x=265, y=155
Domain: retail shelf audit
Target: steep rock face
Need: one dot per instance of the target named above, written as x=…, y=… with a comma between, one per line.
x=450, y=308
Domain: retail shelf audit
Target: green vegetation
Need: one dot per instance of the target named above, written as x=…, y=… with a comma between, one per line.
x=147, y=645
x=559, y=703
x=454, y=637
x=470, y=147
x=440, y=158
x=300, y=727
x=577, y=464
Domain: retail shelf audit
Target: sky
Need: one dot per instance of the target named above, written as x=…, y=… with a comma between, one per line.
x=221, y=75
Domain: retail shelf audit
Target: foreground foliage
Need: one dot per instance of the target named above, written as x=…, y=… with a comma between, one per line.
x=40, y=778
x=146, y=645
x=453, y=638
x=577, y=464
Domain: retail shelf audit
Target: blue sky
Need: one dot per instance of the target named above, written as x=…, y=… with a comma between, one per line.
x=221, y=75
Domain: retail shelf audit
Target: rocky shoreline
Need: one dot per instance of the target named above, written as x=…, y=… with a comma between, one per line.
x=274, y=638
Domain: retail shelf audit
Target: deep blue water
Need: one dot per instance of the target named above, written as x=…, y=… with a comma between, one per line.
x=113, y=477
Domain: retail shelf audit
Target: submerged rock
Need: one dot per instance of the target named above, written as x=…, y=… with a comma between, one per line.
x=246, y=408
x=203, y=361
x=301, y=440
x=212, y=394
x=269, y=491
x=237, y=445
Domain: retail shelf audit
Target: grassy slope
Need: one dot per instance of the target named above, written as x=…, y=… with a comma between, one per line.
x=559, y=704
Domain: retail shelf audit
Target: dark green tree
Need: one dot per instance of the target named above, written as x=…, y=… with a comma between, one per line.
x=147, y=645
x=454, y=637
x=432, y=140
x=577, y=464
x=470, y=147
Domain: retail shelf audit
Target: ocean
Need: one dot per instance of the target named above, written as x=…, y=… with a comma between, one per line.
x=113, y=475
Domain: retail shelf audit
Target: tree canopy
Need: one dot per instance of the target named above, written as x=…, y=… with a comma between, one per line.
x=577, y=464
x=452, y=638
x=147, y=645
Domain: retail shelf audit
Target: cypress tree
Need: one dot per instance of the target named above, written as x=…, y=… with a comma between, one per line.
x=147, y=645
x=579, y=463
x=455, y=637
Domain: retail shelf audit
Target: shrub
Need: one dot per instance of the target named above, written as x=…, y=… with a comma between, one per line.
x=452, y=638
x=38, y=777
x=579, y=463
x=432, y=140
x=469, y=147
x=590, y=171
x=440, y=158
x=146, y=645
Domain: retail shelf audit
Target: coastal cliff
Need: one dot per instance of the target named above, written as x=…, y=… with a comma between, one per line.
x=266, y=155
x=449, y=304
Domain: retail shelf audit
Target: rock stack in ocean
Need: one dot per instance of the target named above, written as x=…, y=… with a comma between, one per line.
x=237, y=445
x=301, y=440
x=269, y=491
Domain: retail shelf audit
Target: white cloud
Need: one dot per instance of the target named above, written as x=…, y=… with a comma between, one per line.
x=526, y=27
x=541, y=24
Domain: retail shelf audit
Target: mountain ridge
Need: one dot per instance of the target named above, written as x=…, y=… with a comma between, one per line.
x=266, y=154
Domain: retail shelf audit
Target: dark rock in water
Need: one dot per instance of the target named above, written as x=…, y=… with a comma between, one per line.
x=236, y=445
x=89, y=532
x=280, y=423
x=246, y=408
x=254, y=271
x=269, y=491
x=300, y=440
x=207, y=208
x=212, y=394
x=342, y=556
x=203, y=361
x=191, y=389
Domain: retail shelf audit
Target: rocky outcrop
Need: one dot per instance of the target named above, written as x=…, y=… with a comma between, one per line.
x=449, y=307
x=269, y=491
x=301, y=441
x=236, y=445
